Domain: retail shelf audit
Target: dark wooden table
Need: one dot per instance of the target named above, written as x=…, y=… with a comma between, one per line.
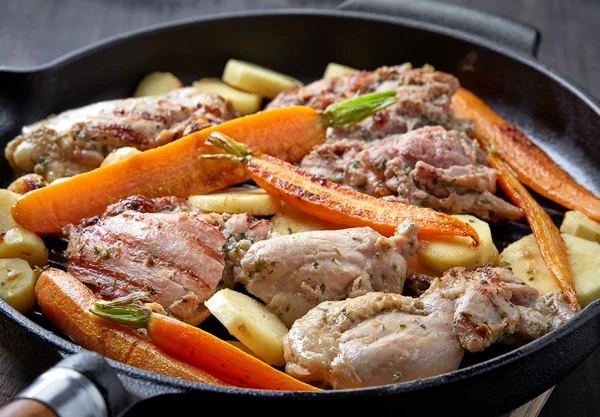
x=34, y=32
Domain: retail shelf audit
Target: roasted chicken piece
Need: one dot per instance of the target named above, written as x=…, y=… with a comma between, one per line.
x=423, y=99
x=429, y=167
x=383, y=338
x=161, y=247
x=176, y=258
x=77, y=140
x=294, y=273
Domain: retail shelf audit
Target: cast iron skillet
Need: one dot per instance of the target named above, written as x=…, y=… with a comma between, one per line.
x=491, y=56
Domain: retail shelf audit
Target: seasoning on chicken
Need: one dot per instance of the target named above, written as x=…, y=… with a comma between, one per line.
x=77, y=140
x=429, y=167
x=175, y=257
x=383, y=338
x=294, y=273
x=163, y=247
x=423, y=99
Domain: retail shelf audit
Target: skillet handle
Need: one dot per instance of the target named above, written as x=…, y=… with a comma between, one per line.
x=518, y=37
x=82, y=385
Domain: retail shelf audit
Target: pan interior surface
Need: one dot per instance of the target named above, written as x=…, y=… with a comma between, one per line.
x=556, y=116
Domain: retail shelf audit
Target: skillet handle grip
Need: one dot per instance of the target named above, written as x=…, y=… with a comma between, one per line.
x=518, y=37
x=82, y=385
x=26, y=408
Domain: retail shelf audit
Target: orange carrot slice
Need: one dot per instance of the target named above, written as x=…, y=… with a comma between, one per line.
x=531, y=164
x=199, y=348
x=332, y=202
x=218, y=357
x=547, y=235
x=66, y=302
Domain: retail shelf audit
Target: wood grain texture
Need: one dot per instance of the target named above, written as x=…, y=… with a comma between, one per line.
x=34, y=32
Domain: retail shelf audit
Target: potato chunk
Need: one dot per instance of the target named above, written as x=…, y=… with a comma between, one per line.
x=256, y=79
x=7, y=200
x=251, y=323
x=17, y=281
x=291, y=220
x=524, y=259
x=337, y=70
x=27, y=183
x=444, y=253
x=254, y=201
x=24, y=244
x=120, y=154
x=156, y=84
x=242, y=102
x=580, y=225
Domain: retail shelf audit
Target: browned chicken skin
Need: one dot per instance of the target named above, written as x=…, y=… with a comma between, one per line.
x=430, y=167
x=77, y=140
x=423, y=99
x=294, y=273
x=384, y=338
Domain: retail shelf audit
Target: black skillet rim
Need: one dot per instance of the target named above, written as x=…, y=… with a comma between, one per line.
x=66, y=347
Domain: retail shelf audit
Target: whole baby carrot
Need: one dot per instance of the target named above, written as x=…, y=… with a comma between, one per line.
x=174, y=169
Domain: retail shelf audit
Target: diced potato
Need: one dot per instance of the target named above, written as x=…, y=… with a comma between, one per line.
x=17, y=281
x=257, y=202
x=416, y=267
x=120, y=154
x=444, y=253
x=7, y=200
x=243, y=102
x=580, y=225
x=337, y=70
x=291, y=220
x=256, y=79
x=251, y=323
x=24, y=244
x=156, y=84
x=524, y=259
x=27, y=183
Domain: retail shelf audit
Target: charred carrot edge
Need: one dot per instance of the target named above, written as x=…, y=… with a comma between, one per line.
x=531, y=164
x=218, y=357
x=337, y=204
x=172, y=169
x=66, y=302
x=547, y=235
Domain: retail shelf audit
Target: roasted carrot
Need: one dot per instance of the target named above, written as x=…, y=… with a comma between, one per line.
x=66, y=302
x=332, y=202
x=174, y=169
x=547, y=235
x=200, y=348
x=531, y=164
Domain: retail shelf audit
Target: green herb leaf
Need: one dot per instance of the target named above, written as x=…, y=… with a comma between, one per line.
x=357, y=108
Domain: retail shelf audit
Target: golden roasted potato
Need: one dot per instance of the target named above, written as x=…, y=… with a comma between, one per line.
x=444, y=253
x=251, y=323
x=242, y=102
x=580, y=225
x=27, y=183
x=290, y=220
x=119, y=154
x=254, y=201
x=524, y=259
x=7, y=200
x=24, y=244
x=17, y=281
x=337, y=70
x=256, y=79
x=157, y=83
